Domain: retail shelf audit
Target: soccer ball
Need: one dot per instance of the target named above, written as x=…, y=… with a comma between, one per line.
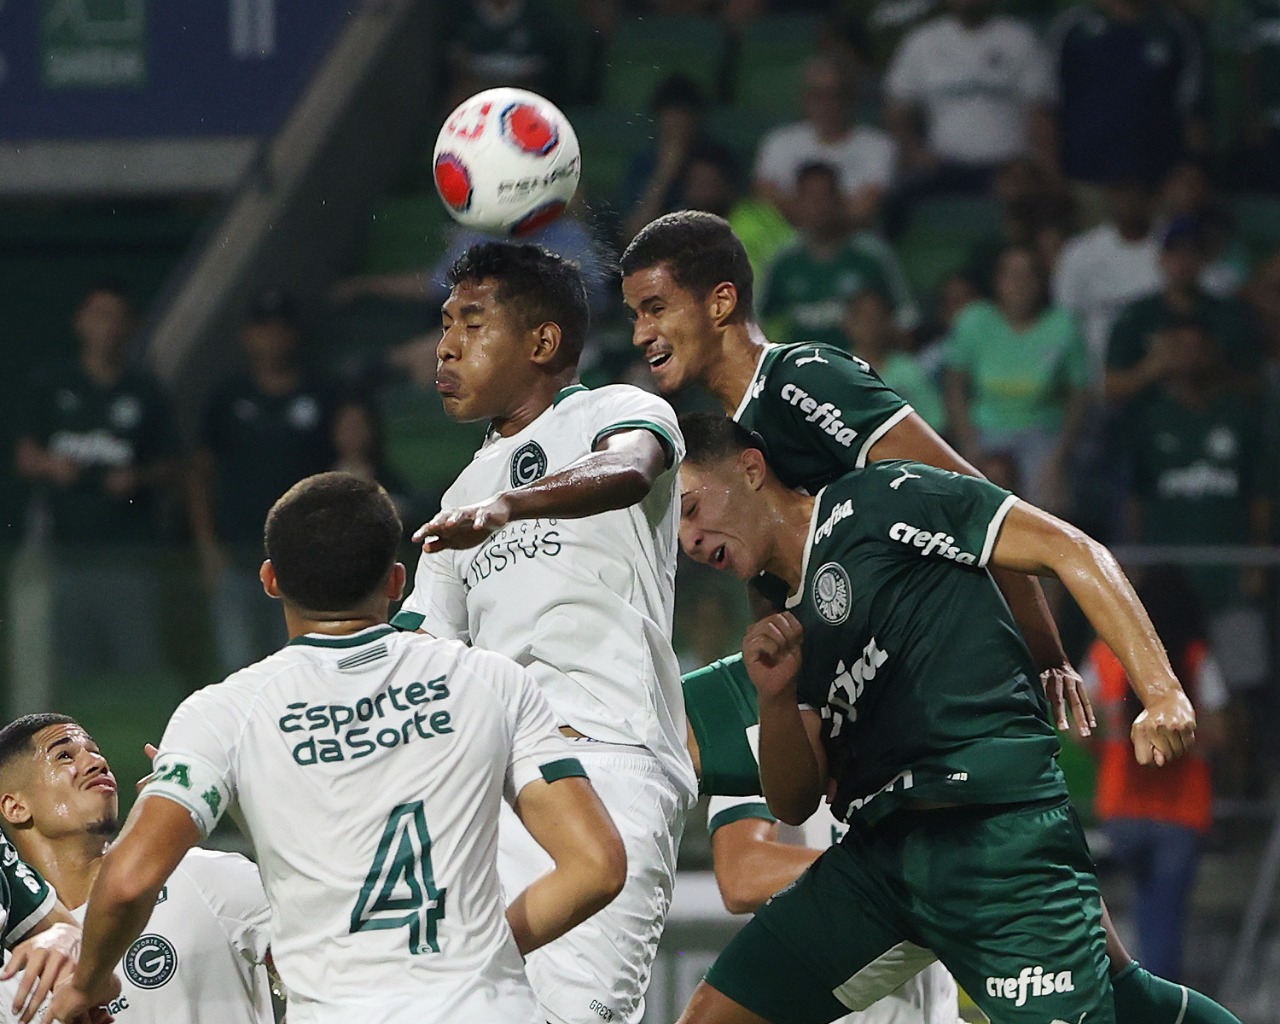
x=506, y=162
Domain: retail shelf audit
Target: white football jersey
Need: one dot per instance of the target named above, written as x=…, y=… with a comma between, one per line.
x=585, y=604
x=929, y=997
x=367, y=770
x=200, y=958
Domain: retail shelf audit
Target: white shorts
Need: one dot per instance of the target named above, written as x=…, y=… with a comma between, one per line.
x=930, y=997
x=600, y=970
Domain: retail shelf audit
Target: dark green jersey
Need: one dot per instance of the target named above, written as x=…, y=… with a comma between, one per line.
x=911, y=656
x=819, y=411
x=721, y=703
x=25, y=897
x=805, y=298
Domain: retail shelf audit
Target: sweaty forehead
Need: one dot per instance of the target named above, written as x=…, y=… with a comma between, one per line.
x=55, y=735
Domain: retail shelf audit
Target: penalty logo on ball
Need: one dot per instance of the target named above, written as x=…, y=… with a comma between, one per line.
x=453, y=181
x=524, y=125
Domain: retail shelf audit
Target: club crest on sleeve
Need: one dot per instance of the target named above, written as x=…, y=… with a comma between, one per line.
x=528, y=464
x=832, y=593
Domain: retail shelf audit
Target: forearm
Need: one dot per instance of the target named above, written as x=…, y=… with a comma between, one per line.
x=790, y=776
x=760, y=871
x=562, y=898
x=118, y=911
x=599, y=482
x=1026, y=600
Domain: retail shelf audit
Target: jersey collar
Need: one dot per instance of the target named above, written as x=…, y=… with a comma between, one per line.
x=491, y=436
x=564, y=393
x=751, y=386
x=352, y=640
x=794, y=599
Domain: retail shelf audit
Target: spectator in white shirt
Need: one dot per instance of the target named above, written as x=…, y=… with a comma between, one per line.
x=967, y=91
x=864, y=157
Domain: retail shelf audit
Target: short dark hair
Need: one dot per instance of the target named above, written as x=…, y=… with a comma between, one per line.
x=332, y=540
x=539, y=285
x=108, y=286
x=711, y=437
x=677, y=91
x=818, y=169
x=15, y=738
x=701, y=251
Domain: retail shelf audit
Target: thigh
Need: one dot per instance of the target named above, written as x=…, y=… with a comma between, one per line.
x=827, y=944
x=1009, y=902
x=600, y=970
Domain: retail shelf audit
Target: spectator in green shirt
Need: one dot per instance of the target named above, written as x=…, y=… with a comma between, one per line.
x=1139, y=351
x=812, y=279
x=871, y=335
x=1018, y=377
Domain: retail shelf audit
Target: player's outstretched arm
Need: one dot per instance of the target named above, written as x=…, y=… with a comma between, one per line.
x=1033, y=541
x=793, y=764
x=914, y=439
x=157, y=835
x=568, y=821
x=618, y=474
x=751, y=864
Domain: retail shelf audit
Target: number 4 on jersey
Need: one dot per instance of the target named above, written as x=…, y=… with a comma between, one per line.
x=400, y=889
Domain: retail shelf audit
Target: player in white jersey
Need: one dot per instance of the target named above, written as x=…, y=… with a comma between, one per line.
x=367, y=766
x=558, y=548
x=754, y=855
x=201, y=960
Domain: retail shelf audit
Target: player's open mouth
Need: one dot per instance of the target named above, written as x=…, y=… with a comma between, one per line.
x=661, y=359
x=447, y=384
x=719, y=557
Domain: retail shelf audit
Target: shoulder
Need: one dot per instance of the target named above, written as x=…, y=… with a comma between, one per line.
x=928, y=33
x=1068, y=23
x=210, y=869
x=868, y=137
x=1013, y=32
x=786, y=135
x=981, y=314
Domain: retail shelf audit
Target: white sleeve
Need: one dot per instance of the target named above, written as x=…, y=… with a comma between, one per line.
x=773, y=162
x=1035, y=82
x=878, y=169
x=903, y=81
x=1066, y=284
x=232, y=887
x=621, y=407
x=538, y=750
x=195, y=765
x=438, y=602
x=1211, y=685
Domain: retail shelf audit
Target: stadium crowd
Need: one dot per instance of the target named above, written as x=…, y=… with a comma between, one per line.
x=1109, y=349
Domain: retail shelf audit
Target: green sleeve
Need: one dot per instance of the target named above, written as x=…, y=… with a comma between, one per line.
x=721, y=703
x=825, y=398
x=925, y=512
x=28, y=897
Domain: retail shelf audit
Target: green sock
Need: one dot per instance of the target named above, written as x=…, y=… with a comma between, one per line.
x=1142, y=998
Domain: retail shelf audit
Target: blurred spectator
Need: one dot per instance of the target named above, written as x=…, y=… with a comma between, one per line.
x=359, y=442
x=98, y=439
x=1139, y=352
x=712, y=629
x=566, y=236
x=1034, y=214
x=1128, y=76
x=652, y=185
x=881, y=24
x=1202, y=476
x=263, y=430
x=966, y=92
x=1102, y=270
x=711, y=183
x=872, y=335
x=1188, y=192
x=863, y=156
x=1018, y=377
x=955, y=294
x=1263, y=295
x=1001, y=468
x=501, y=42
x=1260, y=67
x=1157, y=819
x=811, y=280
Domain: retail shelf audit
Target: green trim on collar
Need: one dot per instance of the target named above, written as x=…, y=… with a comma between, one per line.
x=564, y=393
x=355, y=640
x=410, y=622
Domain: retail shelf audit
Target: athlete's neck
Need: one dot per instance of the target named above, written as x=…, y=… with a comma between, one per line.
x=787, y=522
x=300, y=623
x=537, y=399
x=68, y=863
x=742, y=346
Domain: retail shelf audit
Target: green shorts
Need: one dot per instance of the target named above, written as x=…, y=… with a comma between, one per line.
x=1005, y=897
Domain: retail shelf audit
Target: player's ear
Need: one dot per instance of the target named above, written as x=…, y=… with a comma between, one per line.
x=14, y=809
x=722, y=303
x=267, y=574
x=546, y=345
x=395, y=582
x=754, y=469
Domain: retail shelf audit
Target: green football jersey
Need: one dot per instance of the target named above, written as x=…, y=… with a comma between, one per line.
x=818, y=410
x=911, y=656
x=720, y=701
x=25, y=897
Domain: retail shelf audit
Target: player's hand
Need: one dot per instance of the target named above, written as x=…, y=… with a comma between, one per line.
x=71, y=1005
x=771, y=653
x=150, y=750
x=464, y=527
x=1165, y=730
x=45, y=960
x=1064, y=689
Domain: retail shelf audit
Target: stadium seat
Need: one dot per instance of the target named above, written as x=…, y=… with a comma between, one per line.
x=1257, y=221
x=766, y=76
x=741, y=127
x=941, y=235
x=423, y=445
x=608, y=138
x=646, y=50
x=406, y=232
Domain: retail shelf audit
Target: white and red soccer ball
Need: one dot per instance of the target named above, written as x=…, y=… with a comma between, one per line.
x=506, y=162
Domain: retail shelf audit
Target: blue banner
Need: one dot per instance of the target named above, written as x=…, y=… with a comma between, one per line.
x=151, y=68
